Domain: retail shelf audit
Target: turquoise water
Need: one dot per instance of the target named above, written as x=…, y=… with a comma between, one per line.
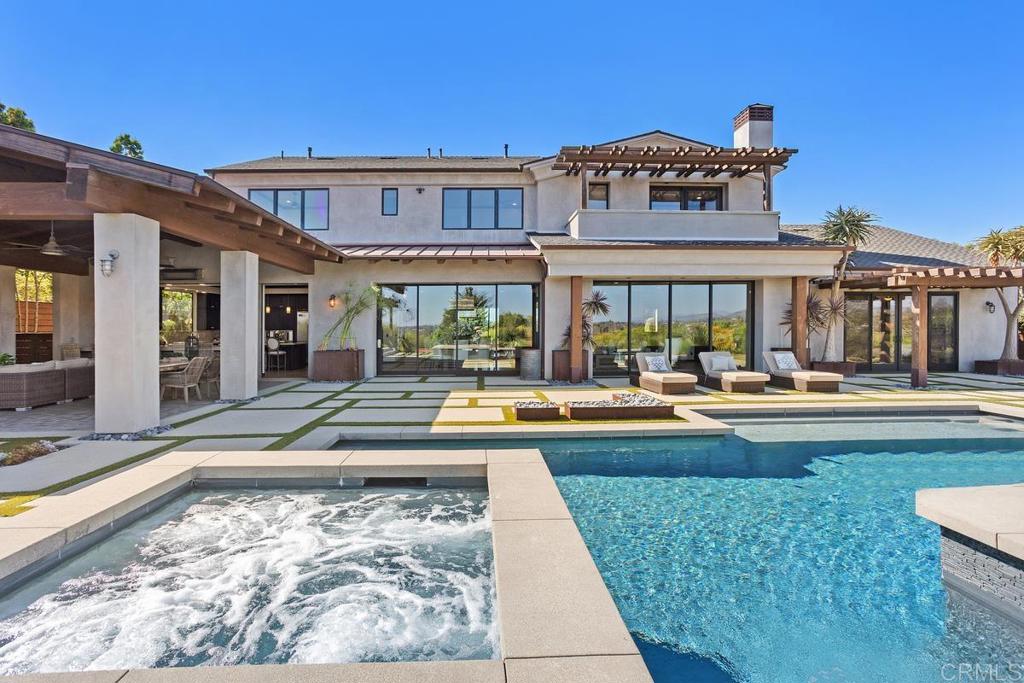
x=791, y=551
x=776, y=556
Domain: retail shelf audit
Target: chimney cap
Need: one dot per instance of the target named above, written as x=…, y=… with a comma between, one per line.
x=309, y=152
x=754, y=112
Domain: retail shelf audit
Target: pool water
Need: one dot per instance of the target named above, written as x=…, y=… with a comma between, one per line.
x=777, y=555
x=255, y=576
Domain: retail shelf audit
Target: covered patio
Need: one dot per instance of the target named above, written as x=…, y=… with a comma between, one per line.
x=920, y=282
x=108, y=226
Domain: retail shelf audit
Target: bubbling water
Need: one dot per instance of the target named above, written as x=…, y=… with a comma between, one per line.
x=255, y=577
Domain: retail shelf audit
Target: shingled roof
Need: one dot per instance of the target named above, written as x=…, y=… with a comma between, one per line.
x=890, y=248
x=395, y=164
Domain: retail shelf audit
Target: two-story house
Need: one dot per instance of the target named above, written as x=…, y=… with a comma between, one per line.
x=679, y=241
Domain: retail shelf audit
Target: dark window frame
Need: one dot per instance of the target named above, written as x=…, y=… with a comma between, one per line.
x=683, y=190
x=631, y=368
x=302, y=207
x=383, y=193
x=607, y=195
x=869, y=366
x=497, y=206
x=535, y=332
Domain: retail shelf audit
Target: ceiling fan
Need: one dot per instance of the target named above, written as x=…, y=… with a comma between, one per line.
x=51, y=247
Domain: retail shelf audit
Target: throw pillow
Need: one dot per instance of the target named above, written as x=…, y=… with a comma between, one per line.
x=657, y=364
x=786, y=361
x=722, y=363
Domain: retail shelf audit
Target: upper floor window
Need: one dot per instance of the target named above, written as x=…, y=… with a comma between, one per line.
x=685, y=198
x=482, y=208
x=597, y=196
x=305, y=208
x=389, y=201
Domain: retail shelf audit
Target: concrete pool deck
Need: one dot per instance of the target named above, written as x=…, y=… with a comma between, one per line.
x=556, y=619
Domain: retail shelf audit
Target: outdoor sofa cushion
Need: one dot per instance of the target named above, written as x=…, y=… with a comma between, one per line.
x=74, y=363
x=20, y=368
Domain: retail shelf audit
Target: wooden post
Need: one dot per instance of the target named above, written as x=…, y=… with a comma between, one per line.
x=584, y=190
x=767, y=187
x=798, y=334
x=919, y=346
x=576, y=329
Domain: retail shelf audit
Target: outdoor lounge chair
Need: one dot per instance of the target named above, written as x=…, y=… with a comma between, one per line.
x=663, y=381
x=787, y=373
x=720, y=372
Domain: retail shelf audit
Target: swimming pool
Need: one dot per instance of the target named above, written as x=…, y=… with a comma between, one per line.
x=258, y=576
x=791, y=551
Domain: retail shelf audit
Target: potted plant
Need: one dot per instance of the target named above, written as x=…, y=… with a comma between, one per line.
x=337, y=357
x=597, y=304
x=850, y=227
x=1004, y=248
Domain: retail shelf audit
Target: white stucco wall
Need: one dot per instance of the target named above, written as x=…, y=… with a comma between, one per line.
x=771, y=299
x=73, y=314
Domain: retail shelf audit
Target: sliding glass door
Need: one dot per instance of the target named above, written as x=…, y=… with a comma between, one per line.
x=880, y=333
x=455, y=328
x=680, y=319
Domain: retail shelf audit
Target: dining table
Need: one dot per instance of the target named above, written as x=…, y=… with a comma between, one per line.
x=173, y=364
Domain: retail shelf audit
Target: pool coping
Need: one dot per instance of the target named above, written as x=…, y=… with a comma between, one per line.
x=556, y=617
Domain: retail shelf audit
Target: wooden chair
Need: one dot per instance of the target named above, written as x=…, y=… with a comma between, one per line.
x=186, y=379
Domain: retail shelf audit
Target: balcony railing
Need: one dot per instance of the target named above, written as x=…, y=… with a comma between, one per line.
x=613, y=224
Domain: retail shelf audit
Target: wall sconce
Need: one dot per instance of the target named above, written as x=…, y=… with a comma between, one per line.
x=990, y=307
x=419, y=190
x=266, y=309
x=107, y=264
x=333, y=301
x=288, y=309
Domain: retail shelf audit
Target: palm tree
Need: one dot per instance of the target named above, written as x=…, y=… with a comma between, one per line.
x=597, y=304
x=851, y=227
x=1005, y=248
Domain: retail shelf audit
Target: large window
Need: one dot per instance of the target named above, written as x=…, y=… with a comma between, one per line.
x=455, y=328
x=680, y=319
x=306, y=209
x=482, y=208
x=685, y=198
x=880, y=329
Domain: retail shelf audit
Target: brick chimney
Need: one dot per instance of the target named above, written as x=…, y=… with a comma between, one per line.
x=752, y=127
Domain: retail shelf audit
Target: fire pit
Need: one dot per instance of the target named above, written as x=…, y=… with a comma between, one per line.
x=625, y=406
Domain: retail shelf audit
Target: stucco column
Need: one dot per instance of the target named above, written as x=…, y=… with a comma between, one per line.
x=127, y=323
x=240, y=343
x=8, y=310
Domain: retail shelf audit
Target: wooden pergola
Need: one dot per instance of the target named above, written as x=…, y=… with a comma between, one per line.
x=682, y=161
x=920, y=281
x=46, y=183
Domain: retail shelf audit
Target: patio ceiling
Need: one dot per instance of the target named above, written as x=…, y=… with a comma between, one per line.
x=44, y=180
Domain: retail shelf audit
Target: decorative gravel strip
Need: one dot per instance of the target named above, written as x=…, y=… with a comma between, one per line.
x=126, y=436
x=621, y=400
x=535, y=404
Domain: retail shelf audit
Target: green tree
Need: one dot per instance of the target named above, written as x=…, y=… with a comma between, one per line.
x=13, y=116
x=850, y=227
x=127, y=145
x=1005, y=248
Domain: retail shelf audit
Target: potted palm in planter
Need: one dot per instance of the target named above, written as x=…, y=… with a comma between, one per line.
x=850, y=227
x=597, y=304
x=337, y=357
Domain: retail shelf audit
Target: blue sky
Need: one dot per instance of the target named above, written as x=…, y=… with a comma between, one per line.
x=914, y=110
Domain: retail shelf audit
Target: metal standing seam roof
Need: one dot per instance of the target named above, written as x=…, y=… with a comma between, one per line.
x=785, y=241
x=439, y=251
x=395, y=164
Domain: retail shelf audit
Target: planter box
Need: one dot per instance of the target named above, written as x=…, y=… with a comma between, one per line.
x=844, y=368
x=337, y=366
x=546, y=414
x=618, y=412
x=1014, y=366
x=560, y=365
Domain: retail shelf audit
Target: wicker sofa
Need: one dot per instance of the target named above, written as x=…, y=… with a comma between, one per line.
x=29, y=385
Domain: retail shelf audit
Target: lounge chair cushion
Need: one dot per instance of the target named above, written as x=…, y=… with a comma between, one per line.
x=722, y=363
x=810, y=375
x=785, y=360
x=657, y=364
x=740, y=376
x=670, y=377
